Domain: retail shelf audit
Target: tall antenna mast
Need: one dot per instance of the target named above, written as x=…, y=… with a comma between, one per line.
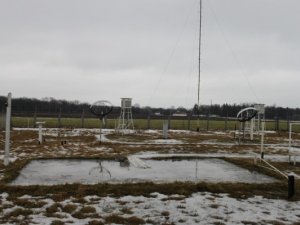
x=199, y=64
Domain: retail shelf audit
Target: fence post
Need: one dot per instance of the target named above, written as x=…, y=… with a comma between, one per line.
x=148, y=122
x=34, y=117
x=277, y=124
x=189, y=121
x=59, y=118
x=82, y=119
x=207, y=121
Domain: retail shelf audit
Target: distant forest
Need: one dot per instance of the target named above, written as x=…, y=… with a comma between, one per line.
x=53, y=107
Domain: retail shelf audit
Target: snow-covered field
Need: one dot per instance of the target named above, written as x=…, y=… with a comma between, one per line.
x=198, y=208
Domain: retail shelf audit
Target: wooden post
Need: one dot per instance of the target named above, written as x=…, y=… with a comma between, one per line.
x=291, y=185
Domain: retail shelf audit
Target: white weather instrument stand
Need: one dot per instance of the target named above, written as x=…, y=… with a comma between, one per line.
x=293, y=150
x=101, y=109
x=243, y=116
x=40, y=125
x=125, y=122
x=7, y=129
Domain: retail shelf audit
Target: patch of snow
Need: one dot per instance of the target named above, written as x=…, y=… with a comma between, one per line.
x=167, y=141
x=200, y=208
x=152, y=131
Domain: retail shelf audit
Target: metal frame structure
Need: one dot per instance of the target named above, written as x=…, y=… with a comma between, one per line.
x=252, y=120
x=101, y=109
x=125, y=121
x=292, y=150
x=259, y=118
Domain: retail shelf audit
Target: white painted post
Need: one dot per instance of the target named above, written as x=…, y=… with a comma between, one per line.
x=251, y=129
x=40, y=125
x=262, y=139
x=165, y=129
x=7, y=130
x=290, y=138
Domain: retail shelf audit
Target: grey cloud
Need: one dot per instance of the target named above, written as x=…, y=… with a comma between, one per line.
x=148, y=50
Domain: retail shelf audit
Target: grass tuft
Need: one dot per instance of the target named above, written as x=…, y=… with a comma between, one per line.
x=95, y=222
x=69, y=208
x=114, y=218
x=57, y=222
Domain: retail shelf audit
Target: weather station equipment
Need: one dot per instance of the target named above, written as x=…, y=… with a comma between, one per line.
x=101, y=109
x=40, y=125
x=125, y=121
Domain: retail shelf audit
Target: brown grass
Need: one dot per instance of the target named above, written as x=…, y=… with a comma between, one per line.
x=114, y=218
x=69, y=208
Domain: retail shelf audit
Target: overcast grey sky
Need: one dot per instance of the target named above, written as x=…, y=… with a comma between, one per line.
x=148, y=50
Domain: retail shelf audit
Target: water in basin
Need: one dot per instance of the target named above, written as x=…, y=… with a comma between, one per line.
x=53, y=171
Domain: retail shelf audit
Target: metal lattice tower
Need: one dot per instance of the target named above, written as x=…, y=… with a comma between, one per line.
x=125, y=122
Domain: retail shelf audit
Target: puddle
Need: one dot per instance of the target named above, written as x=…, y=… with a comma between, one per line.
x=50, y=172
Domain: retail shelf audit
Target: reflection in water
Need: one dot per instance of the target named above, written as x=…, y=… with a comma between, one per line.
x=116, y=171
x=101, y=169
x=196, y=173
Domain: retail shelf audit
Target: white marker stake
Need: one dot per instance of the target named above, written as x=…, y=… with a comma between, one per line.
x=7, y=130
x=165, y=129
x=40, y=125
x=251, y=129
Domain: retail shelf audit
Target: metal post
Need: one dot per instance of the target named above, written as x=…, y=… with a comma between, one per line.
x=290, y=137
x=262, y=139
x=148, y=124
x=7, y=130
x=251, y=129
x=199, y=67
x=59, y=118
x=101, y=122
x=207, y=121
x=287, y=118
x=82, y=119
x=34, y=117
